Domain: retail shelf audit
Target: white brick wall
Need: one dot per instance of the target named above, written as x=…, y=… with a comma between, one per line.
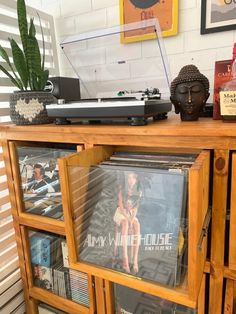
x=189, y=4
x=74, y=7
x=113, y=16
x=77, y=16
x=99, y=4
x=91, y=21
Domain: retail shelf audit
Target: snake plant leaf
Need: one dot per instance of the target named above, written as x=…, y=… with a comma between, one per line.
x=4, y=55
x=35, y=82
x=30, y=82
x=39, y=78
x=33, y=68
x=43, y=78
x=27, y=67
x=20, y=62
x=43, y=56
x=34, y=58
x=14, y=81
x=32, y=30
x=22, y=23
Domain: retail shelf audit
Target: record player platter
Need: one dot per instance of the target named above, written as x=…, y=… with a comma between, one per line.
x=136, y=111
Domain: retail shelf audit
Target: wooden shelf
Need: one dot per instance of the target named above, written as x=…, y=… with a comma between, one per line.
x=42, y=223
x=204, y=133
x=178, y=295
x=54, y=300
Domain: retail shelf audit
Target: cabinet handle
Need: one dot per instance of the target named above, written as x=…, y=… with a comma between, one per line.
x=205, y=228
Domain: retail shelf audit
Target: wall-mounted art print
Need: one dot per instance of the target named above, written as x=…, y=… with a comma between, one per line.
x=166, y=11
x=218, y=16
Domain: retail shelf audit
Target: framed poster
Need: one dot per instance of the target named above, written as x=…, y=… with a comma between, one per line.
x=166, y=11
x=218, y=16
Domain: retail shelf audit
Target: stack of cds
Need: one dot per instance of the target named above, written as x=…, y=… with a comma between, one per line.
x=79, y=287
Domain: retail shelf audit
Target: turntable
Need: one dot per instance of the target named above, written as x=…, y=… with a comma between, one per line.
x=115, y=78
x=97, y=110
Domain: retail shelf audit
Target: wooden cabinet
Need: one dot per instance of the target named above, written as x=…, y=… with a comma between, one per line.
x=212, y=141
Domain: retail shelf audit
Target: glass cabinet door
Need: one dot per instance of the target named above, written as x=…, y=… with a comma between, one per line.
x=49, y=270
x=38, y=179
x=128, y=300
x=130, y=214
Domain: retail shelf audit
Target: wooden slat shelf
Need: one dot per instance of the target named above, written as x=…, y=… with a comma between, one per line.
x=178, y=295
x=42, y=223
x=54, y=300
x=228, y=273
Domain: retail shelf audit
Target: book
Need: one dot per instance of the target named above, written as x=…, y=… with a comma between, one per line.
x=221, y=76
x=130, y=301
x=146, y=245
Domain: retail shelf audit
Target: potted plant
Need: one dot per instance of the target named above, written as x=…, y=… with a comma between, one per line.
x=27, y=106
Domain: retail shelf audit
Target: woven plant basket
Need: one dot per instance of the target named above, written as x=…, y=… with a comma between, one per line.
x=29, y=107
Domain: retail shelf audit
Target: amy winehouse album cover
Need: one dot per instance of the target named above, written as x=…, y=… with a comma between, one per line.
x=130, y=301
x=130, y=221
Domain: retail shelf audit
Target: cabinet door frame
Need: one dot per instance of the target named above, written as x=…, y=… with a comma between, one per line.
x=199, y=178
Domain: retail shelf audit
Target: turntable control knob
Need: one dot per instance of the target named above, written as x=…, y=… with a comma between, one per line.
x=61, y=101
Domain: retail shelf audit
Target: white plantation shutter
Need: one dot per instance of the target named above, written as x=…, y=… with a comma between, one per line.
x=11, y=293
x=9, y=28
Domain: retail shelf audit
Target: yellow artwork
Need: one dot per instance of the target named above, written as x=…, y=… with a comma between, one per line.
x=166, y=11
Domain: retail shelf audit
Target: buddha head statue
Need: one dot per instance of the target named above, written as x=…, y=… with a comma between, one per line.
x=189, y=92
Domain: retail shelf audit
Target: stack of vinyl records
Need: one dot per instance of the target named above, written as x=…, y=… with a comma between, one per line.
x=138, y=221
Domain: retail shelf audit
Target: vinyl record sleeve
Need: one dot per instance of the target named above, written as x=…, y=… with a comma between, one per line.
x=148, y=247
x=39, y=175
